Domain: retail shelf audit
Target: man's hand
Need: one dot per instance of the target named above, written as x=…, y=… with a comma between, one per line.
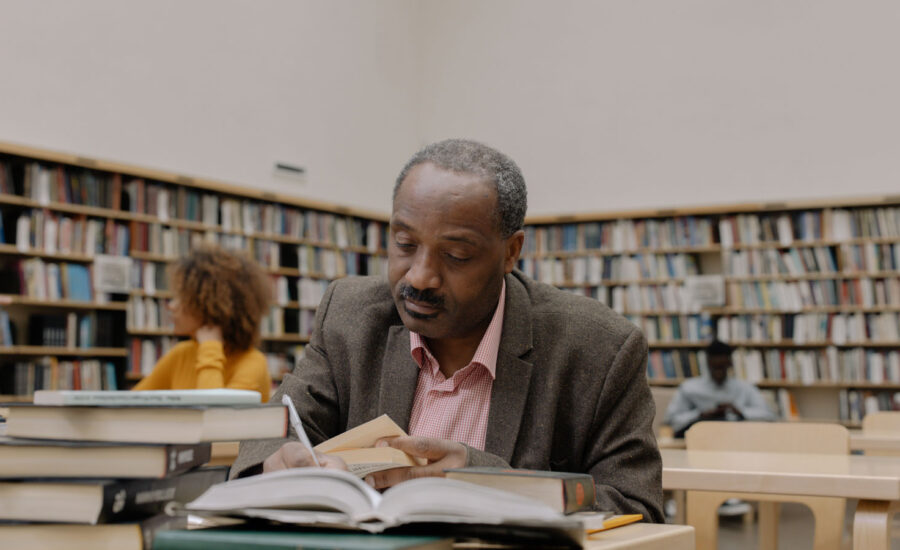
x=208, y=333
x=716, y=413
x=294, y=455
x=440, y=454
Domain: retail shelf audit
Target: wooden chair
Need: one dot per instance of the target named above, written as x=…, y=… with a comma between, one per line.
x=882, y=421
x=702, y=506
x=662, y=396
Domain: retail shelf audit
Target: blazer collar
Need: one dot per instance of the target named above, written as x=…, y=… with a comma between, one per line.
x=399, y=377
x=510, y=389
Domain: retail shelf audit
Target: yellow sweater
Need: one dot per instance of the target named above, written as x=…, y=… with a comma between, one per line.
x=190, y=365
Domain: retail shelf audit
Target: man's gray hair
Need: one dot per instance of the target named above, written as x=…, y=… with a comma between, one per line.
x=470, y=157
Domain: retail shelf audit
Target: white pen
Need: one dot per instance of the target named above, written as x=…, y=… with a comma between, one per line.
x=298, y=427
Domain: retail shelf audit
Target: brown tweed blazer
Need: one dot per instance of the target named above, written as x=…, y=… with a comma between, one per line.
x=570, y=392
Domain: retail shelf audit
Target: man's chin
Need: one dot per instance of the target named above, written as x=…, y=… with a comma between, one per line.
x=425, y=325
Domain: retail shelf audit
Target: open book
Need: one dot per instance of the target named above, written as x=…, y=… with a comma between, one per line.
x=334, y=498
x=355, y=447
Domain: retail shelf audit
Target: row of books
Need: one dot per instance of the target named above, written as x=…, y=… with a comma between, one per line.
x=75, y=330
x=838, y=328
x=856, y=365
x=147, y=314
x=7, y=330
x=853, y=405
x=871, y=257
x=783, y=228
x=49, y=373
x=676, y=364
x=46, y=183
x=171, y=242
x=620, y=235
x=47, y=280
x=823, y=365
x=280, y=322
x=310, y=291
x=828, y=224
x=796, y=295
x=149, y=276
x=43, y=231
x=143, y=353
x=673, y=328
x=594, y=270
x=335, y=263
x=637, y=298
x=771, y=261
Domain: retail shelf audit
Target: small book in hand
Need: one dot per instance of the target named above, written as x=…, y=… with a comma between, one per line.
x=355, y=448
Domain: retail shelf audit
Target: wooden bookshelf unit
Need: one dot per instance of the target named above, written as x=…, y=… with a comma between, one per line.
x=812, y=292
x=60, y=212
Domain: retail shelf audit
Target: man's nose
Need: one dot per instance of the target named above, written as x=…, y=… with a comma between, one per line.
x=424, y=272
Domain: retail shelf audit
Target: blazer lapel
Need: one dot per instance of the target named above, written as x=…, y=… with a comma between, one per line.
x=399, y=377
x=510, y=389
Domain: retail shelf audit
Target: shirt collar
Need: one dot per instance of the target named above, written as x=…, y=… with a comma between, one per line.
x=488, y=348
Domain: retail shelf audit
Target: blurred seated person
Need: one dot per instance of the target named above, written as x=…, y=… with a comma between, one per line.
x=717, y=396
x=220, y=297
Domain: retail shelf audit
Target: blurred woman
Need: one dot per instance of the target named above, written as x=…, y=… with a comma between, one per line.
x=220, y=297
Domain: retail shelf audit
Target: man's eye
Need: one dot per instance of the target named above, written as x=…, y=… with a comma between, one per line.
x=458, y=259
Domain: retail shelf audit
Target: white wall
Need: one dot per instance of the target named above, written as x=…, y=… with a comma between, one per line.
x=220, y=89
x=646, y=103
x=632, y=103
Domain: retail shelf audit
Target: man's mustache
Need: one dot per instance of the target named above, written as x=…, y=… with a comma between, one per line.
x=426, y=296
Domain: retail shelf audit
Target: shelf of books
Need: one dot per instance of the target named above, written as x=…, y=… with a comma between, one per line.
x=808, y=293
x=70, y=225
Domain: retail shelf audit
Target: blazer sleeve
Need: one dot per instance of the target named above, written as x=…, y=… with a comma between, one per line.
x=623, y=456
x=311, y=387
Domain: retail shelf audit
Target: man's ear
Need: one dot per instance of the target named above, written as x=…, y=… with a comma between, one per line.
x=514, y=245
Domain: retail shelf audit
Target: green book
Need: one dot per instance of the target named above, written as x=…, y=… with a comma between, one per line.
x=226, y=539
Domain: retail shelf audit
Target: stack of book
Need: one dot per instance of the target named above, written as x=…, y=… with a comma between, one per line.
x=82, y=469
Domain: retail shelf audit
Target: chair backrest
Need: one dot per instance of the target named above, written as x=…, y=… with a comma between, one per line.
x=785, y=437
x=662, y=396
x=881, y=421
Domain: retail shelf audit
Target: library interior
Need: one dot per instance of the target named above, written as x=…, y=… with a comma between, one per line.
x=713, y=207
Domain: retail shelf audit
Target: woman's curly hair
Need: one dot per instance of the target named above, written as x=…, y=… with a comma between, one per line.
x=225, y=289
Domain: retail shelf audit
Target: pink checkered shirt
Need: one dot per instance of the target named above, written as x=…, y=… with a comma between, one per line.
x=456, y=408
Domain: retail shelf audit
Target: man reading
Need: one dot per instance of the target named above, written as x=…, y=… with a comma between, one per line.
x=482, y=365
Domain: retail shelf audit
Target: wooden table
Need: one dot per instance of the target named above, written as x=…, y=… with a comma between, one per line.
x=643, y=536
x=637, y=536
x=874, y=441
x=874, y=480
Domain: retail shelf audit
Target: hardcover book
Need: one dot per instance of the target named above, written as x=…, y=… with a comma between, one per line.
x=101, y=501
x=43, y=458
x=227, y=539
x=158, y=424
x=565, y=492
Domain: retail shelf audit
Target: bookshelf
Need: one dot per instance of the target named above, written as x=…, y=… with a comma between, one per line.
x=62, y=217
x=811, y=292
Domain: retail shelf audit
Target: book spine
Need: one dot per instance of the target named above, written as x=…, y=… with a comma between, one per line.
x=578, y=494
x=181, y=458
x=137, y=499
